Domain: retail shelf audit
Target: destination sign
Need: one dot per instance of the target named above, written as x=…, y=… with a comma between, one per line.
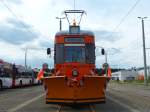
x=81, y=40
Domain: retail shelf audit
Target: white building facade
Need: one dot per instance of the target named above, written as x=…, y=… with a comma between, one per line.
x=124, y=75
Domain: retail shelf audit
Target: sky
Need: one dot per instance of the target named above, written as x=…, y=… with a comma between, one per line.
x=32, y=24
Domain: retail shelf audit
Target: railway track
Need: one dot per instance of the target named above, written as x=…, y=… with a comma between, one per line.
x=90, y=106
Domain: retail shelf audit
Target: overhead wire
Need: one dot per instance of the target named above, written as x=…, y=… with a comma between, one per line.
x=19, y=21
x=14, y=14
x=115, y=29
x=126, y=15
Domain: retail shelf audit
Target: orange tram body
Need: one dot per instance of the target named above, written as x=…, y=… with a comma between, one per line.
x=74, y=80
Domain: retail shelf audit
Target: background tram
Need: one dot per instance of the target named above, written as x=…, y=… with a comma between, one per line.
x=74, y=80
x=12, y=76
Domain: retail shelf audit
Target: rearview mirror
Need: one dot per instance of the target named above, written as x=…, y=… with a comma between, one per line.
x=48, y=51
x=103, y=51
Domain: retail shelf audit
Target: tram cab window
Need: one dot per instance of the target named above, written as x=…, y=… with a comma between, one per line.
x=75, y=54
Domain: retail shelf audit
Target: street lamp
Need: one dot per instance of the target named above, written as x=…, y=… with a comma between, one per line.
x=60, y=22
x=144, y=50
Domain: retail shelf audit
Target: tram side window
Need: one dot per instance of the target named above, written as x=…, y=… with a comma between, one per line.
x=90, y=53
x=1, y=74
x=5, y=74
x=59, y=53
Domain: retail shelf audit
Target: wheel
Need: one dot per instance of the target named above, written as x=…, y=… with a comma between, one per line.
x=1, y=85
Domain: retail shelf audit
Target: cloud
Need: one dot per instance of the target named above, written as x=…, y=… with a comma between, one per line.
x=104, y=35
x=46, y=43
x=17, y=32
x=10, y=52
x=18, y=24
x=114, y=51
x=38, y=62
x=15, y=1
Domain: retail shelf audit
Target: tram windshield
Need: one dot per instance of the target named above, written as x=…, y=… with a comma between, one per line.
x=75, y=54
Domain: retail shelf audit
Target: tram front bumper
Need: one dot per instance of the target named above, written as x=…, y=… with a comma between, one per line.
x=59, y=92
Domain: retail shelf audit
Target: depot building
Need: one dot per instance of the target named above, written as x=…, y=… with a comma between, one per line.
x=124, y=75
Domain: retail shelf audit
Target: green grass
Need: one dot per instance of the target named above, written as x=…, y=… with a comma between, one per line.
x=132, y=82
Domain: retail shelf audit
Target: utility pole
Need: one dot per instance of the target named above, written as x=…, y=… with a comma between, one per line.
x=144, y=51
x=26, y=50
x=60, y=22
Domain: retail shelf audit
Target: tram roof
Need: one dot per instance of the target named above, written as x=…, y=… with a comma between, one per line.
x=82, y=32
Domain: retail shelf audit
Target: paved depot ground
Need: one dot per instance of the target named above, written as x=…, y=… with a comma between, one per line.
x=137, y=96
x=120, y=98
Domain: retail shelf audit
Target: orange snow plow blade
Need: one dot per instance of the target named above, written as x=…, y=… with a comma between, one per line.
x=92, y=90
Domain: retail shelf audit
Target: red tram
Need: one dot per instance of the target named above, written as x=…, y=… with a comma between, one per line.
x=74, y=80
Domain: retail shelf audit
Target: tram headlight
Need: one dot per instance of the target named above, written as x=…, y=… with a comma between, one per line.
x=75, y=73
